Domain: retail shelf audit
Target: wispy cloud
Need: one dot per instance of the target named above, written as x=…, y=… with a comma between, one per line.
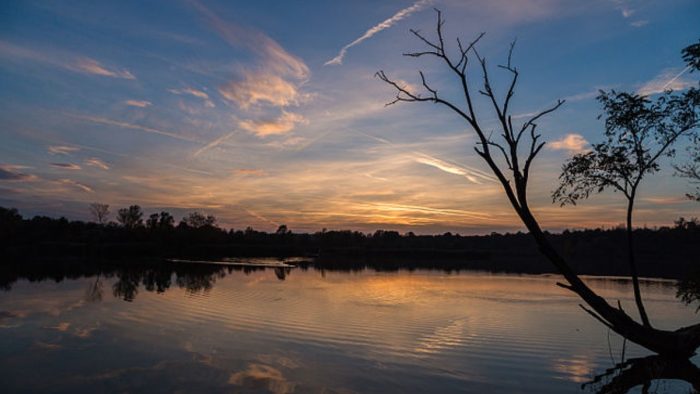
x=66, y=166
x=573, y=143
x=62, y=149
x=92, y=66
x=64, y=60
x=216, y=142
x=138, y=103
x=10, y=172
x=76, y=185
x=126, y=125
x=196, y=93
x=668, y=79
x=249, y=172
x=273, y=84
x=281, y=125
x=473, y=176
x=263, y=88
x=402, y=14
x=95, y=162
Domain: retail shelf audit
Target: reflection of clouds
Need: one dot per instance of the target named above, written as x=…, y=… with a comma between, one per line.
x=62, y=326
x=10, y=319
x=46, y=345
x=279, y=360
x=259, y=376
x=85, y=332
x=578, y=369
x=451, y=335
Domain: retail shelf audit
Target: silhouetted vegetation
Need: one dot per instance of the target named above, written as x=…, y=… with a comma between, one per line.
x=638, y=133
x=627, y=375
x=510, y=154
x=668, y=252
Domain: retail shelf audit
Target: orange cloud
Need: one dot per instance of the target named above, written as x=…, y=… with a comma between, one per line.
x=283, y=124
x=92, y=66
x=138, y=103
x=263, y=88
x=574, y=143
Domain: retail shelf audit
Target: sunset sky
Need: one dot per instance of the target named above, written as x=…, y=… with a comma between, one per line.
x=263, y=113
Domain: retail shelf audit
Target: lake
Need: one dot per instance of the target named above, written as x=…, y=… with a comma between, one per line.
x=173, y=327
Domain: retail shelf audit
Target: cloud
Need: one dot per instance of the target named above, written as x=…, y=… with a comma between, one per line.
x=474, y=176
x=574, y=143
x=275, y=81
x=275, y=58
x=64, y=60
x=66, y=166
x=262, y=376
x=138, y=103
x=281, y=125
x=213, y=144
x=95, y=162
x=249, y=172
x=196, y=93
x=92, y=66
x=402, y=14
x=668, y=79
x=262, y=87
x=131, y=126
x=639, y=23
x=62, y=149
x=9, y=172
x=76, y=184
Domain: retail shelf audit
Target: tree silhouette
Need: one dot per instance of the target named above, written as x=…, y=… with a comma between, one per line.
x=197, y=220
x=160, y=220
x=639, y=132
x=510, y=158
x=100, y=212
x=691, y=169
x=131, y=217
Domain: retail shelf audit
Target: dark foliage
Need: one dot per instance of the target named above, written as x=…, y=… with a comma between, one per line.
x=665, y=252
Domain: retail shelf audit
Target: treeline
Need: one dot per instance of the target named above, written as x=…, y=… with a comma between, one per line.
x=662, y=252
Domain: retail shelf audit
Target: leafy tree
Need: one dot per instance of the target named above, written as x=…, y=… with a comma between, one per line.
x=638, y=133
x=691, y=169
x=131, y=217
x=198, y=220
x=160, y=221
x=283, y=230
x=100, y=212
x=510, y=156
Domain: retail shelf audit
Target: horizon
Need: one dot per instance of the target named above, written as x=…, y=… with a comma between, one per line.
x=247, y=113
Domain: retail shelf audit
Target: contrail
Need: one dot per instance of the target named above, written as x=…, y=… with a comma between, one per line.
x=676, y=77
x=404, y=13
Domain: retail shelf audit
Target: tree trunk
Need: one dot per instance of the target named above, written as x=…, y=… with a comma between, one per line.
x=633, y=264
x=680, y=343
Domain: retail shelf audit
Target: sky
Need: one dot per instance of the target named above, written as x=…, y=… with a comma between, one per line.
x=266, y=113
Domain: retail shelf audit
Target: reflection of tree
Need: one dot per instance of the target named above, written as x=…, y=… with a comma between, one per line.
x=282, y=272
x=642, y=372
x=127, y=286
x=689, y=290
x=94, y=291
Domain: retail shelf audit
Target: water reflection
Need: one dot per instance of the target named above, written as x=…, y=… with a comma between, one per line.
x=644, y=372
x=218, y=328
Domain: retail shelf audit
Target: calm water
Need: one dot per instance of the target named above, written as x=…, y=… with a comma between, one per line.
x=223, y=330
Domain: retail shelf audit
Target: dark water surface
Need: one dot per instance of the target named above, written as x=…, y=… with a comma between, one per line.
x=281, y=330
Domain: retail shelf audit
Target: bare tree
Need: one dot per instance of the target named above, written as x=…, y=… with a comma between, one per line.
x=639, y=133
x=510, y=158
x=99, y=212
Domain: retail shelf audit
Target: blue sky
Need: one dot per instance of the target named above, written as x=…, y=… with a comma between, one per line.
x=264, y=113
